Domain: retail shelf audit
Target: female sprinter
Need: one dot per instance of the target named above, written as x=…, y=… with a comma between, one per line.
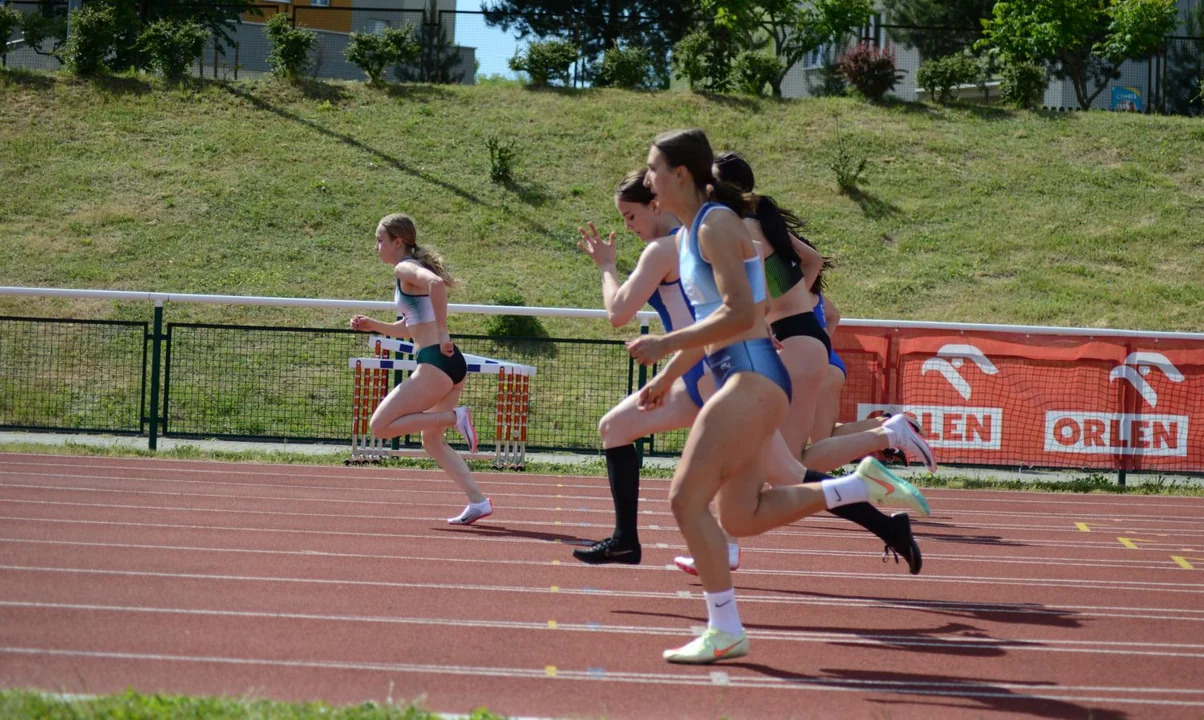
x=792, y=269
x=426, y=401
x=655, y=282
x=726, y=456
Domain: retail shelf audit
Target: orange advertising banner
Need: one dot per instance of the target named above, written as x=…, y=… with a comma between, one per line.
x=1034, y=400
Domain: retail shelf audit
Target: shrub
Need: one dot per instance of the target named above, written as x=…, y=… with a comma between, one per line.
x=512, y=325
x=752, y=71
x=172, y=47
x=700, y=60
x=870, y=70
x=501, y=161
x=546, y=60
x=939, y=77
x=93, y=32
x=290, y=47
x=372, y=53
x=1022, y=83
x=848, y=164
x=1200, y=97
x=625, y=68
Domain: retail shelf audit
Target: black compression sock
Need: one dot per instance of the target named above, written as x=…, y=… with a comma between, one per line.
x=623, y=467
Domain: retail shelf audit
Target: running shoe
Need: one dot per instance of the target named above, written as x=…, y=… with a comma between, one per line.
x=910, y=441
x=686, y=563
x=610, y=550
x=472, y=513
x=904, y=544
x=889, y=490
x=712, y=645
x=465, y=428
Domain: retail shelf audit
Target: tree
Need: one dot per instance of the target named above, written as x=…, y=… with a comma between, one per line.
x=596, y=25
x=1185, y=66
x=1085, y=41
x=963, y=18
x=437, y=58
x=794, y=28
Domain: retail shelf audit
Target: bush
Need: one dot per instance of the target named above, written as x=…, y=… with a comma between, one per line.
x=10, y=20
x=512, y=325
x=289, y=56
x=1200, y=97
x=940, y=77
x=700, y=60
x=625, y=68
x=870, y=70
x=372, y=53
x=752, y=71
x=91, y=41
x=1022, y=83
x=172, y=47
x=848, y=164
x=546, y=60
x=501, y=161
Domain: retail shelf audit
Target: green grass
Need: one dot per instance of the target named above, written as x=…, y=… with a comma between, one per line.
x=595, y=466
x=965, y=213
x=130, y=705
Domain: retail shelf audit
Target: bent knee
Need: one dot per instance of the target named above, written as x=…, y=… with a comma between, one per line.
x=433, y=438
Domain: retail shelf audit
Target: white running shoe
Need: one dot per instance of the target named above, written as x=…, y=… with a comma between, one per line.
x=889, y=490
x=465, y=428
x=712, y=645
x=910, y=441
x=472, y=513
x=686, y=563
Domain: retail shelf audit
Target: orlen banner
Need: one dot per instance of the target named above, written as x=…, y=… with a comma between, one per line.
x=1038, y=400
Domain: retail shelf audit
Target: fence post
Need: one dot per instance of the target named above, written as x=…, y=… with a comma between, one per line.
x=643, y=380
x=156, y=348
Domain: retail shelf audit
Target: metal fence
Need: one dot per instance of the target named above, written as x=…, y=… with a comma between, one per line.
x=460, y=46
x=272, y=383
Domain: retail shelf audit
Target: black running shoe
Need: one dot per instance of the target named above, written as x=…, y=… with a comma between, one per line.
x=904, y=544
x=609, y=550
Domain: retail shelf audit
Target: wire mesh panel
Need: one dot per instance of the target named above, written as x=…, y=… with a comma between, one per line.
x=72, y=374
x=236, y=381
x=577, y=382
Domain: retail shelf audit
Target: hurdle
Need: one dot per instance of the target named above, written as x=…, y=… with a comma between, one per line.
x=372, y=385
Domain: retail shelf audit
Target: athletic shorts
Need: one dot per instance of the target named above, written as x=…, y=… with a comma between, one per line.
x=803, y=324
x=757, y=356
x=454, y=367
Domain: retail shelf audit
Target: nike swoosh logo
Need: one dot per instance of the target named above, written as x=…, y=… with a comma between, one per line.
x=719, y=605
x=615, y=553
x=889, y=488
x=720, y=652
x=838, y=497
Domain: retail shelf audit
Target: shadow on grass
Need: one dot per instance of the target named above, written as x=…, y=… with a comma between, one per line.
x=872, y=206
x=32, y=79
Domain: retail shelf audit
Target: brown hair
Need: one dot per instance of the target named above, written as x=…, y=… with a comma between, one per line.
x=401, y=227
x=632, y=188
x=691, y=149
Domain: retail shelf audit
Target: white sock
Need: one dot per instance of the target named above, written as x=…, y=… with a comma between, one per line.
x=844, y=491
x=721, y=612
x=892, y=435
x=485, y=505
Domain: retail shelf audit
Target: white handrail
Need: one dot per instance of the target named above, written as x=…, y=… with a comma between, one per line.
x=161, y=298
x=644, y=316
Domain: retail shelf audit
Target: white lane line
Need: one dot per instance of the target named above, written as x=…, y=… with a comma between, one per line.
x=1130, y=564
x=793, y=531
x=905, y=638
x=747, y=596
x=969, y=688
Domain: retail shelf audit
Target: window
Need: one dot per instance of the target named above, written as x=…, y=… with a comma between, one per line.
x=379, y=26
x=319, y=3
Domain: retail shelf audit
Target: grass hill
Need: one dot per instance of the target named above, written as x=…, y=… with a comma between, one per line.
x=965, y=214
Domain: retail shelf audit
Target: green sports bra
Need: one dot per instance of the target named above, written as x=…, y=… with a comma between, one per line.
x=781, y=275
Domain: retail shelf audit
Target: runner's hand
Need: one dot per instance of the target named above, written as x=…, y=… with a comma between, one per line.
x=445, y=344
x=652, y=395
x=647, y=349
x=602, y=252
x=361, y=323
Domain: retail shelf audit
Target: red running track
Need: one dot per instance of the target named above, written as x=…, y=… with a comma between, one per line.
x=345, y=584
